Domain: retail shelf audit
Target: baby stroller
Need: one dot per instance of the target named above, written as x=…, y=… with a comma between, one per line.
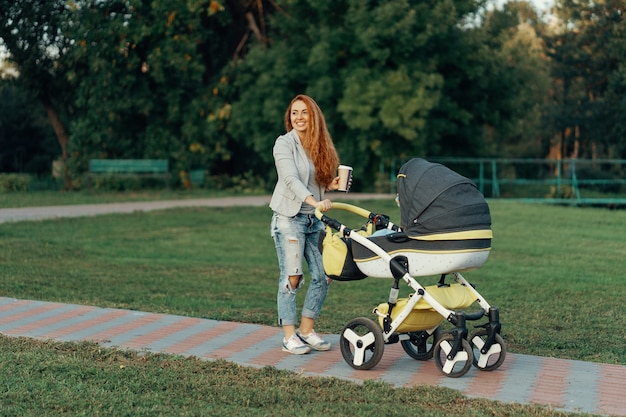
x=445, y=230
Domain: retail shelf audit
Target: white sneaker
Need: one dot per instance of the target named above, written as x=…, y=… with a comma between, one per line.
x=294, y=345
x=313, y=340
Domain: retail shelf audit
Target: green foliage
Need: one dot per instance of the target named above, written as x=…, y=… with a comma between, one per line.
x=589, y=68
x=116, y=183
x=395, y=79
x=27, y=143
x=519, y=82
x=14, y=182
x=205, y=83
x=246, y=183
x=32, y=32
x=143, y=87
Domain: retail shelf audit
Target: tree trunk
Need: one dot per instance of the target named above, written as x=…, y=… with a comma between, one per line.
x=61, y=135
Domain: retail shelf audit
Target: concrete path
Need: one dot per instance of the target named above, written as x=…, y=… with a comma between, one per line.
x=77, y=210
x=557, y=383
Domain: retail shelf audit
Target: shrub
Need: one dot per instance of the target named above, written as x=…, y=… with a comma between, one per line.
x=14, y=182
x=246, y=183
x=115, y=182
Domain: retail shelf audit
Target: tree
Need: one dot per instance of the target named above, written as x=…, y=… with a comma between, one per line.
x=148, y=78
x=588, y=53
x=31, y=30
x=27, y=143
x=138, y=78
x=520, y=81
x=395, y=79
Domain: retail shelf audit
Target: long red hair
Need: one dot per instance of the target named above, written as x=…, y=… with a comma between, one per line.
x=317, y=141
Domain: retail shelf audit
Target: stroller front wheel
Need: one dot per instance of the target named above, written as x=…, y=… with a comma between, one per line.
x=493, y=358
x=462, y=361
x=362, y=343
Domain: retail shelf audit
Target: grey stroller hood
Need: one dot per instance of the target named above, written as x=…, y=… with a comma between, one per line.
x=435, y=199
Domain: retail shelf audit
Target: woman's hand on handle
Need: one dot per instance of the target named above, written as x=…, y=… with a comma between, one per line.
x=323, y=205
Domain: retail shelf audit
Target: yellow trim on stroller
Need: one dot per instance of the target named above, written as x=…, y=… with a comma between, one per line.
x=464, y=235
x=468, y=241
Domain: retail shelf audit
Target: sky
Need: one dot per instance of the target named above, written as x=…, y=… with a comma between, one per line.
x=540, y=5
x=543, y=4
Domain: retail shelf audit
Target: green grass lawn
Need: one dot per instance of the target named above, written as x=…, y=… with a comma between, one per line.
x=555, y=272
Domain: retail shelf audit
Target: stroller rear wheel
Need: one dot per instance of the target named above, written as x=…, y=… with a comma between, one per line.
x=493, y=358
x=362, y=343
x=421, y=344
x=462, y=361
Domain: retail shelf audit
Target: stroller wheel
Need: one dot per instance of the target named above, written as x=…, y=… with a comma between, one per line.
x=420, y=346
x=493, y=358
x=462, y=361
x=362, y=343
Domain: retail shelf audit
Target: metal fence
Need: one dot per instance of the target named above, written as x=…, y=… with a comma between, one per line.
x=561, y=181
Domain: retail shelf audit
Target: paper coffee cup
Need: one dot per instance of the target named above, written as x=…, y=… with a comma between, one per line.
x=345, y=174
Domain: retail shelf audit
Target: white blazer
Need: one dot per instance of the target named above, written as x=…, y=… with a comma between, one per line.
x=293, y=167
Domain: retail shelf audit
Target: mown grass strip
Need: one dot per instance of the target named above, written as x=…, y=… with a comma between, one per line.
x=49, y=379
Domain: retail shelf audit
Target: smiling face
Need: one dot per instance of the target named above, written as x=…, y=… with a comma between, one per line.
x=299, y=117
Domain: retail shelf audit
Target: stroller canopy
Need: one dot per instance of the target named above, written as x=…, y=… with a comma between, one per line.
x=435, y=199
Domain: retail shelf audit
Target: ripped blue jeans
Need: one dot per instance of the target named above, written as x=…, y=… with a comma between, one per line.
x=296, y=238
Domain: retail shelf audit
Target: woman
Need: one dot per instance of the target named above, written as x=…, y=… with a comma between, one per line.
x=306, y=162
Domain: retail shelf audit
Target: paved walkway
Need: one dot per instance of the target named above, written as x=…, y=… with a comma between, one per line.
x=557, y=383
x=78, y=210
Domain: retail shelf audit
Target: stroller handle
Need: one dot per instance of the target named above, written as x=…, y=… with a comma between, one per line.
x=345, y=207
x=335, y=224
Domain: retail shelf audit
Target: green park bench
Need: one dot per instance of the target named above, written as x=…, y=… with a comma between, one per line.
x=140, y=167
